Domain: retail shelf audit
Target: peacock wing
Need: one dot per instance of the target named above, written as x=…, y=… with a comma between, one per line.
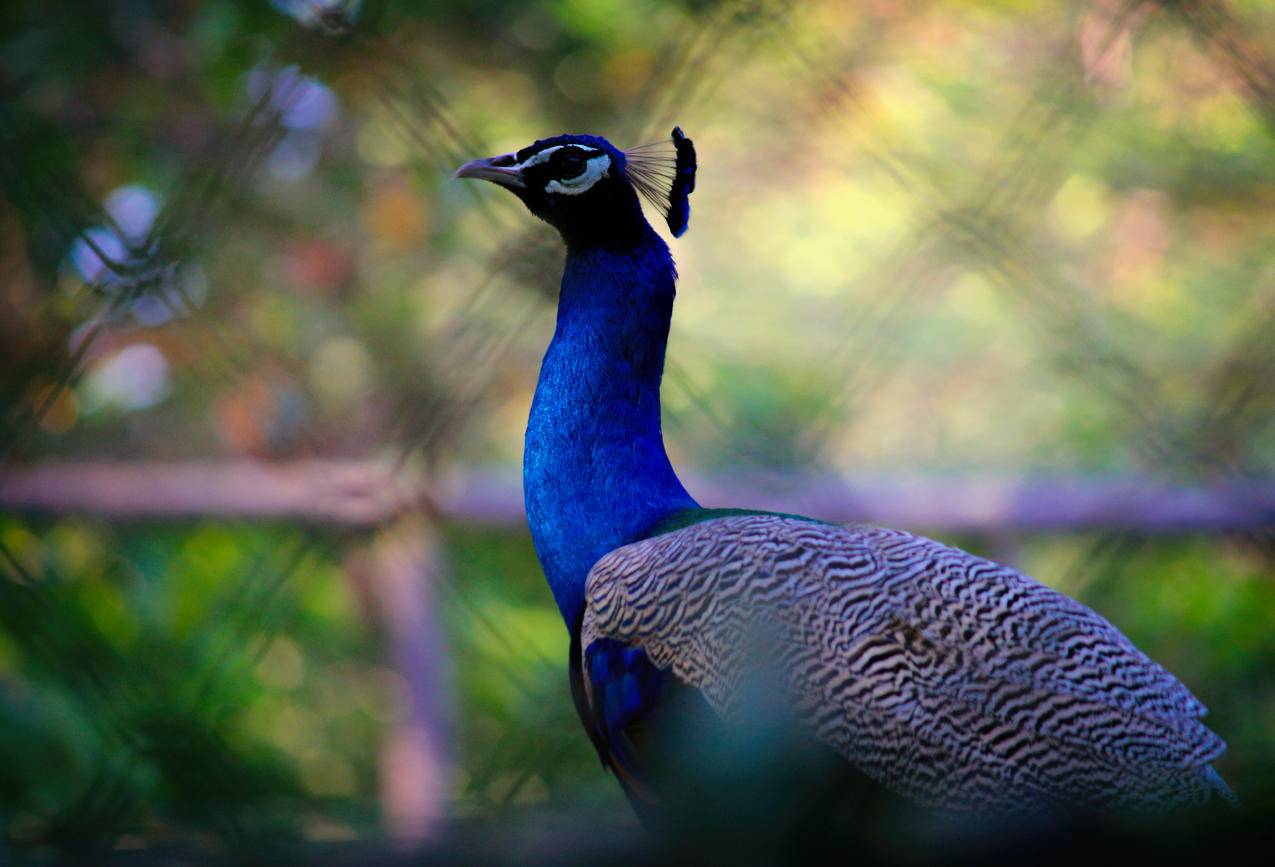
x=950, y=679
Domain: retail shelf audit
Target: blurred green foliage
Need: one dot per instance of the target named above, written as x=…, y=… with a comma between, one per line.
x=948, y=237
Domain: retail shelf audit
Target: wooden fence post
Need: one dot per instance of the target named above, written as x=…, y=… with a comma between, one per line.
x=399, y=568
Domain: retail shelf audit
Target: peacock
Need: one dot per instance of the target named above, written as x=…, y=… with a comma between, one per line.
x=946, y=680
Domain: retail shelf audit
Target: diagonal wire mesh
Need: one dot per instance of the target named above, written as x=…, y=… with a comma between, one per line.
x=452, y=375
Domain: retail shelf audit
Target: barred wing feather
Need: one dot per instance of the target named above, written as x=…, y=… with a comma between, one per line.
x=950, y=679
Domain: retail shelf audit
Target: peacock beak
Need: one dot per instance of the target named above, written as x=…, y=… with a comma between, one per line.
x=503, y=170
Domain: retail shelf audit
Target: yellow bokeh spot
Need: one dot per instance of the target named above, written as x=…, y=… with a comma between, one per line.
x=625, y=73
x=1226, y=121
x=328, y=775
x=395, y=215
x=974, y=298
x=1080, y=208
x=26, y=549
x=380, y=143
x=341, y=371
x=76, y=549
x=282, y=667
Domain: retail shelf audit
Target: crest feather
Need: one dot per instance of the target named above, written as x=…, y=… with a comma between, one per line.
x=663, y=172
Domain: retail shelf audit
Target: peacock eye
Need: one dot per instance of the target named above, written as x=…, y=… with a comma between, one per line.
x=570, y=166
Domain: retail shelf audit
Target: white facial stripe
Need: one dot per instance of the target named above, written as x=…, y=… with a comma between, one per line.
x=595, y=170
x=539, y=157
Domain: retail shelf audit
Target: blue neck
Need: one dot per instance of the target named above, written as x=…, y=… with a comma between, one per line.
x=595, y=473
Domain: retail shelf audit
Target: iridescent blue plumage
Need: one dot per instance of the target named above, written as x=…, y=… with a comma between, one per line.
x=595, y=472
x=628, y=685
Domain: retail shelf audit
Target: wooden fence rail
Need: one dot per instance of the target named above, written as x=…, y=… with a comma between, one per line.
x=365, y=495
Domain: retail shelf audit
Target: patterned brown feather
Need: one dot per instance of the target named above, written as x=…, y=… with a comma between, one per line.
x=954, y=681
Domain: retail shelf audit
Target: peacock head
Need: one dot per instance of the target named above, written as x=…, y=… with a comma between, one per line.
x=587, y=188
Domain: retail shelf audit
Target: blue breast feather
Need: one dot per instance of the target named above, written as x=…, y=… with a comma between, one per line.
x=595, y=472
x=625, y=686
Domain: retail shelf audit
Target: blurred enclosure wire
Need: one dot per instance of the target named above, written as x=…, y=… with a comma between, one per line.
x=262, y=575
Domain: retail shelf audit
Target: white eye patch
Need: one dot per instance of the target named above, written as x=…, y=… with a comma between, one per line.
x=595, y=170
